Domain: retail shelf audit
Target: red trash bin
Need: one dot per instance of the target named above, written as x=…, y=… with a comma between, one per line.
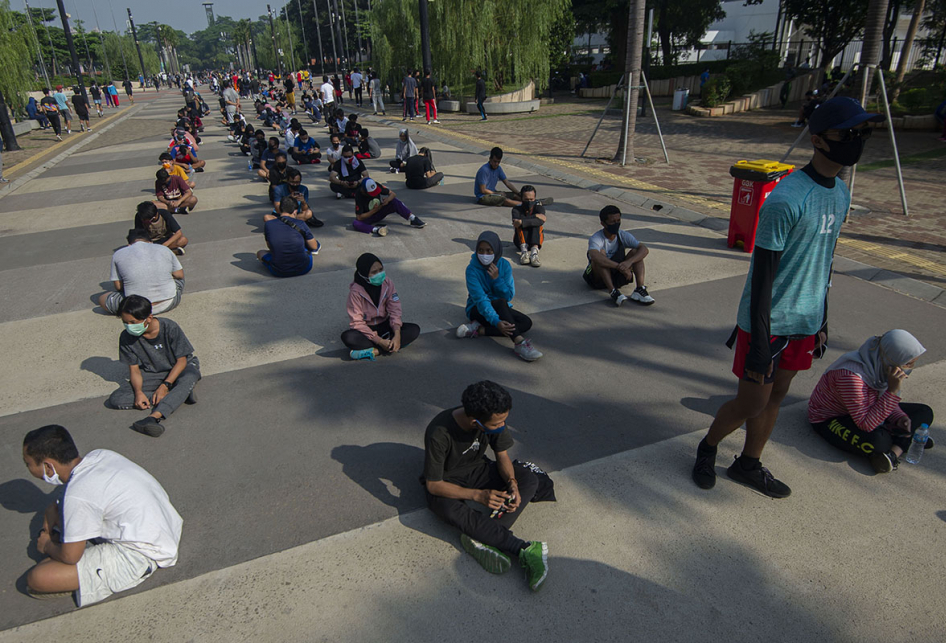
x=753, y=182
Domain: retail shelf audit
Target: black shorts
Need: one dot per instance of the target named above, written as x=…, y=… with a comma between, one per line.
x=595, y=282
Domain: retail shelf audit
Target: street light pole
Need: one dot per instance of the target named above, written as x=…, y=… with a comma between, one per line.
x=272, y=33
x=318, y=32
x=134, y=36
x=72, y=48
x=331, y=24
x=425, y=37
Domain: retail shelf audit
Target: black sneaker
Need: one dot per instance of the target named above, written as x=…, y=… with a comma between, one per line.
x=148, y=426
x=760, y=479
x=314, y=223
x=704, y=471
x=191, y=397
x=618, y=297
x=417, y=222
x=884, y=462
x=929, y=443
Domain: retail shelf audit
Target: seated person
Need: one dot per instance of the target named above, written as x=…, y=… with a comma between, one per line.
x=373, y=202
x=268, y=157
x=527, y=222
x=339, y=123
x=615, y=259
x=114, y=527
x=489, y=304
x=167, y=162
x=405, y=149
x=291, y=133
x=258, y=147
x=162, y=367
x=856, y=405
x=142, y=268
x=420, y=171
x=347, y=174
x=173, y=192
x=484, y=186
x=300, y=194
x=185, y=155
x=179, y=136
x=306, y=150
x=290, y=244
x=374, y=313
x=458, y=473
x=368, y=148
x=161, y=225
x=811, y=103
x=334, y=152
x=32, y=110
x=246, y=139
x=276, y=174
x=351, y=130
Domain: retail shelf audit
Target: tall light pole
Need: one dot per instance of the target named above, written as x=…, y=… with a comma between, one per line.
x=134, y=36
x=305, y=41
x=292, y=55
x=425, y=37
x=272, y=33
x=318, y=32
x=331, y=23
x=72, y=48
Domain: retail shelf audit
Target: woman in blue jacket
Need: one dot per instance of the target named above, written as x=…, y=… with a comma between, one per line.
x=489, y=304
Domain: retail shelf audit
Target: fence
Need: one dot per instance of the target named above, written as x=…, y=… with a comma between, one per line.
x=925, y=54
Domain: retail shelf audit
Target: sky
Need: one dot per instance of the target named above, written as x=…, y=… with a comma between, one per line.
x=186, y=15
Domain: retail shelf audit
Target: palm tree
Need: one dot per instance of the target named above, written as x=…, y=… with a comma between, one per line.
x=907, y=46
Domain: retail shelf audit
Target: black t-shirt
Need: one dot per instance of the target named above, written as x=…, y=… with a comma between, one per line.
x=50, y=103
x=162, y=229
x=450, y=453
x=528, y=220
x=288, y=84
x=96, y=93
x=354, y=174
x=417, y=168
x=81, y=104
x=428, y=87
x=362, y=199
x=480, y=89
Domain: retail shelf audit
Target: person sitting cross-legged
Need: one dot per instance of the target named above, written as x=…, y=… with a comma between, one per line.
x=420, y=171
x=615, y=259
x=856, y=405
x=347, y=174
x=161, y=225
x=299, y=193
x=268, y=157
x=112, y=529
x=290, y=243
x=482, y=497
x=527, y=222
x=404, y=150
x=305, y=150
x=489, y=303
x=368, y=148
x=374, y=313
x=162, y=367
x=174, y=169
x=484, y=188
x=143, y=268
x=373, y=202
x=174, y=192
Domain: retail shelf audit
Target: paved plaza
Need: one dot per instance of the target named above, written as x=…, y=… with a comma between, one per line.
x=297, y=473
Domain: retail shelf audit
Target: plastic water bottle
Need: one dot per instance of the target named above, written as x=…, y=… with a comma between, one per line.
x=920, y=436
x=249, y=165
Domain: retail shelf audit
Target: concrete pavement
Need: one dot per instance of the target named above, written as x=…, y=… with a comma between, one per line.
x=297, y=472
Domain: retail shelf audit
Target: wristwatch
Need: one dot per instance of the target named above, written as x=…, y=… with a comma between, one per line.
x=167, y=384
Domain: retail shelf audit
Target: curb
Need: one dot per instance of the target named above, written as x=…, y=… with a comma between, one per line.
x=842, y=265
x=14, y=185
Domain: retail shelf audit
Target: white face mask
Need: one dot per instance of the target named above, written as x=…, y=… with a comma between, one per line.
x=485, y=259
x=54, y=479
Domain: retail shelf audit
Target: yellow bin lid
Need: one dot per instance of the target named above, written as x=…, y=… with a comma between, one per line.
x=763, y=166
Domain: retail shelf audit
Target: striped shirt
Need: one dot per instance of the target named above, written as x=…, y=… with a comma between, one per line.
x=842, y=392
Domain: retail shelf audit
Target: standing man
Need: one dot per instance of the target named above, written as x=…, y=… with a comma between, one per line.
x=327, y=90
x=374, y=93
x=357, y=82
x=231, y=101
x=50, y=108
x=290, y=86
x=114, y=527
x=480, y=94
x=408, y=92
x=457, y=473
x=782, y=320
x=128, y=87
x=429, y=88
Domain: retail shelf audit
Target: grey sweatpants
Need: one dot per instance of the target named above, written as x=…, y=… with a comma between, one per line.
x=124, y=398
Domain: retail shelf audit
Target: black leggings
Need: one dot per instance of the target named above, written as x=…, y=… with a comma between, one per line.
x=506, y=314
x=397, y=164
x=56, y=123
x=844, y=434
x=424, y=182
x=494, y=532
x=356, y=340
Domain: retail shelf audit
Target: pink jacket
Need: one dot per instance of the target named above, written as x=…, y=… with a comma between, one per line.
x=362, y=312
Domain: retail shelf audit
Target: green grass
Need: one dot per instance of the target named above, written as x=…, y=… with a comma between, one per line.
x=904, y=160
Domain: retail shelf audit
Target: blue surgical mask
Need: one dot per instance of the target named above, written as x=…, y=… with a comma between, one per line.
x=378, y=279
x=496, y=431
x=137, y=329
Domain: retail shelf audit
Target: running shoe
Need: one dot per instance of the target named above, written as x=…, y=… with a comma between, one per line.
x=535, y=560
x=489, y=558
x=760, y=479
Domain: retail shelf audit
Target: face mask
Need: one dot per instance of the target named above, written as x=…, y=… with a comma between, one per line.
x=137, y=329
x=350, y=160
x=845, y=152
x=613, y=228
x=281, y=166
x=485, y=259
x=378, y=279
x=491, y=431
x=527, y=205
x=167, y=165
x=53, y=479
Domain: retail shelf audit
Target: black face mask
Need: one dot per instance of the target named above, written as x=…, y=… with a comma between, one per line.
x=845, y=152
x=613, y=227
x=281, y=166
x=527, y=205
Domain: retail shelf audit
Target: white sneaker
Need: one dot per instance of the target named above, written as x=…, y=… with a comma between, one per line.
x=381, y=231
x=468, y=330
x=640, y=296
x=524, y=258
x=618, y=297
x=435, y=121
x=338, y=195
x=534, y=259
x=527, y=351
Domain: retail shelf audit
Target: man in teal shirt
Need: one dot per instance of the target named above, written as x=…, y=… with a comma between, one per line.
x=782, y=319
x=63, y=108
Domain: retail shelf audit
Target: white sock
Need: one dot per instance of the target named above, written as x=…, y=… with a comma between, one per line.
x=374, y=229
x=411, y=218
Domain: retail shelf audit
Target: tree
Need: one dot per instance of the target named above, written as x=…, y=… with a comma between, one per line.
x=935, y=23
x=890, y=27
x=15, y=79
x=632, y=76
x=907, y=47
x=683, y=23
x=832, y=23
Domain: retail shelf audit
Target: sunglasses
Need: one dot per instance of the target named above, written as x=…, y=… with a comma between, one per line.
x=848, y=135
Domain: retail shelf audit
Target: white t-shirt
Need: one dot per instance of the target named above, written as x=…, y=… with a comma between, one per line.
x=600, y=242
x=328, y=92
x=109, y=496
x=356, y=80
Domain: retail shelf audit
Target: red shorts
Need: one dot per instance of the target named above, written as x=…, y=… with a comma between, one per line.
x=787, y=354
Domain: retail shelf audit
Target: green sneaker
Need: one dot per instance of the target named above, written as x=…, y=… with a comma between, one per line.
x=489, y=558
x=535, y=560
